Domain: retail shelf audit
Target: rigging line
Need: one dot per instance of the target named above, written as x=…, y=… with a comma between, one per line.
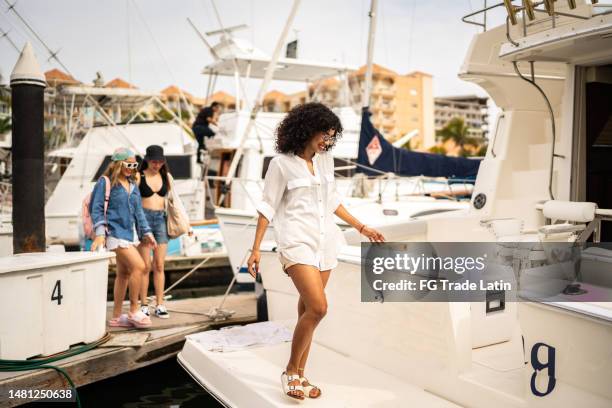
x=17, y=29
x=5, y=34
x=23, y=35
x=161, y=54
x=52, y=54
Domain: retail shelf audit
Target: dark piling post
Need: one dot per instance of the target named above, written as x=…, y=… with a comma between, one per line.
x=27, y=90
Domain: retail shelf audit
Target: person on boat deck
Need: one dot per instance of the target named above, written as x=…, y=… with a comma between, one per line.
x=155, y=183
x=118, y=231
x=201, y=125
x=301, y=197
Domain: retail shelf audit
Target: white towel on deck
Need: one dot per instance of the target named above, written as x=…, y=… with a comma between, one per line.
x=235, y=338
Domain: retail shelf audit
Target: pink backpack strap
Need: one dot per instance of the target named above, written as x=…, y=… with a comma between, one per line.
x=107, y=188
x=107, y=193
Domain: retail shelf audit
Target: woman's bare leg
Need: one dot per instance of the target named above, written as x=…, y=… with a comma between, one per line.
x=308, y=281
x=145, y=254
x=159, y=258
x=134, y=266
x=122, y=276
x=301, y=308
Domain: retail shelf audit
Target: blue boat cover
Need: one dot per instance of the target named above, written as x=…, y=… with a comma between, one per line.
x=389, y=158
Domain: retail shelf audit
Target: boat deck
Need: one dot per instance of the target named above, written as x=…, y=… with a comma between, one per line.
x=164, y=340
x=251, y=378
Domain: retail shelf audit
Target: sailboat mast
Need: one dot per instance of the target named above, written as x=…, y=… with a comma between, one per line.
x=367, y=92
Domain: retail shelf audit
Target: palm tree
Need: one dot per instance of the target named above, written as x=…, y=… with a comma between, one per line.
x=437, y=150
x=5, y=124
x=457, y=131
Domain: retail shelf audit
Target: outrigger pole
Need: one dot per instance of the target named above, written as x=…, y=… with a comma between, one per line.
x=260, y=94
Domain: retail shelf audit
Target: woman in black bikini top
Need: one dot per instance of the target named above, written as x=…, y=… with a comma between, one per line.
x=154, y=168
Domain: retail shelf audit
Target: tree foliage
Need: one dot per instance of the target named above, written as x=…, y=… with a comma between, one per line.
x=457, y=131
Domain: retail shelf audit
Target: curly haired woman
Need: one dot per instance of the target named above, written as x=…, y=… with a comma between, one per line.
x=300, y=195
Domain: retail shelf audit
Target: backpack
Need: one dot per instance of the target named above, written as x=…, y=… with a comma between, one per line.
x=88, y=228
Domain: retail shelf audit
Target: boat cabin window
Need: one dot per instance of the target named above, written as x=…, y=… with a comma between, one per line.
x=180, y=166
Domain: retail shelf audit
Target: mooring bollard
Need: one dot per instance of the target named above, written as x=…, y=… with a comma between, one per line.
x=27, y=90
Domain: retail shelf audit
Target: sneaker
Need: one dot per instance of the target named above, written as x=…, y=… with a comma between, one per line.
x=161, y=312
x=145, y=309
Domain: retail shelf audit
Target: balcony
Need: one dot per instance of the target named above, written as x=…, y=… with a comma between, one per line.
x=385, y=108
x=388, y=92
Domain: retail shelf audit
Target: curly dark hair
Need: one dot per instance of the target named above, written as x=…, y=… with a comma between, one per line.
x=302, y=123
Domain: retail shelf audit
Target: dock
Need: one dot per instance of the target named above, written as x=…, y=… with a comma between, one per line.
x=162, y=341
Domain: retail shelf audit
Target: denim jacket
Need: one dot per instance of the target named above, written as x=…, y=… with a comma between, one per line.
x=124, y=210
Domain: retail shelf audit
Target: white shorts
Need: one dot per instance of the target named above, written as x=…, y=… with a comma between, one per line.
x=113, y=243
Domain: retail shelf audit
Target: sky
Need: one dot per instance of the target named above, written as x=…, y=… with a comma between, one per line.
x=150, y=43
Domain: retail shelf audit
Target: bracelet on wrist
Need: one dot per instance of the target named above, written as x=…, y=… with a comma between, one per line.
x=361, y=228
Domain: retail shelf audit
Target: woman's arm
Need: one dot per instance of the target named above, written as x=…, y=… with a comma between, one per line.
x=142, y=225
x=274, y=188
x=371, y=233
x=253, y=262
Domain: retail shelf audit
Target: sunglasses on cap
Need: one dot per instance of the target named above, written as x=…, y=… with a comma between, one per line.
x=130, y=165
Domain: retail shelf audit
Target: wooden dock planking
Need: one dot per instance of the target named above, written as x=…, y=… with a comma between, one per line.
x=165, y=341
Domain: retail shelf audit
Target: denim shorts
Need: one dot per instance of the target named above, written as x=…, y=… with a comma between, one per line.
x=157, y=222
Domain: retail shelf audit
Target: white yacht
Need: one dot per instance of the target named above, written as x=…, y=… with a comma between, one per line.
x=543, y=179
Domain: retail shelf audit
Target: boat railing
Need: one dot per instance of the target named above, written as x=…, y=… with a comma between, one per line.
x=383, y=182
x=528, y=10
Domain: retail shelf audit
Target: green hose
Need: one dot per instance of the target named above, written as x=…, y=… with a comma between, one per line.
x=45, y=362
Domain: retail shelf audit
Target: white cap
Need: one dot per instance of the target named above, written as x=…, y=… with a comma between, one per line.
x=27, y=70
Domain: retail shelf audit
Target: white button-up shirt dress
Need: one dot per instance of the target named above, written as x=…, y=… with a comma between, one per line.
x=301, y=207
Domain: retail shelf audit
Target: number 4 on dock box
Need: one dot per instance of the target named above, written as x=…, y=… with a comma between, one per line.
x=51, y=301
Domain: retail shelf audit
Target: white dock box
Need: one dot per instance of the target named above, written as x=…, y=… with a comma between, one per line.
x=50, y=301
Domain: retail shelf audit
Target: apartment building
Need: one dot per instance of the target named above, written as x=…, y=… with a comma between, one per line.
x=472, y=109
x=400, y=104
x=277, y=101
x=183, y=103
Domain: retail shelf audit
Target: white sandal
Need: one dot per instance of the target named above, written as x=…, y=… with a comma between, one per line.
x=308, y=388
x=287, y=388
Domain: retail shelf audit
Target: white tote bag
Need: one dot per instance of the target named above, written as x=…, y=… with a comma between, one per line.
x=177, y=219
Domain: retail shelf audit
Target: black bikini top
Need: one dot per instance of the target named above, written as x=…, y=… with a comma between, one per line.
x=145, y=190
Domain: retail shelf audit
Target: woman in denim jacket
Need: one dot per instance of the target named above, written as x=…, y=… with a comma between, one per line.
x=124, y=219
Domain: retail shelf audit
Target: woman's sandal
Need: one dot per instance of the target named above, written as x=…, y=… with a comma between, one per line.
x=291, y=390
x=121, y=321
x=308, y=388
x=140, y=320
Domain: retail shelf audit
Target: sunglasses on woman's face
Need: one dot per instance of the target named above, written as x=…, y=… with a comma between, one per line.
x=327, y=137
x=130, y=165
